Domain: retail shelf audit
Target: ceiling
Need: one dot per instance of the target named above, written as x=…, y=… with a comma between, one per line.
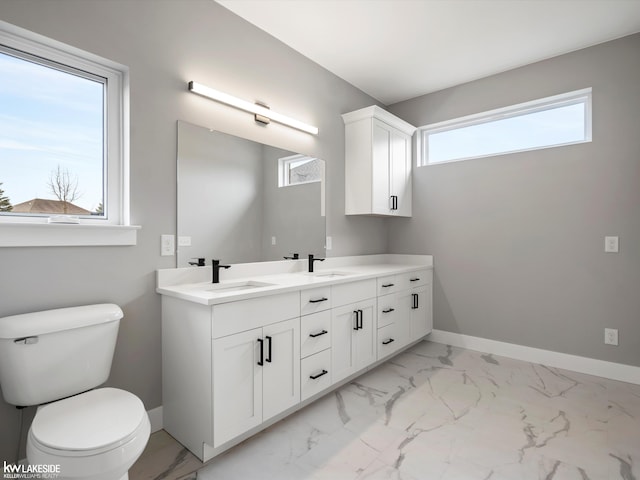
x=399, y=49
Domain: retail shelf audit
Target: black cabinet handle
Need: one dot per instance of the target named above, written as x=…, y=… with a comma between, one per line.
x=394, y=202
x=323, y=299
x=389, y=310
x=359, y=315
x=314, y=335
x=315, y=377
x=261, y=361
x=268, y=350
x=388, y=285
x=415, y=301
x=387, y=342
x=414, y=279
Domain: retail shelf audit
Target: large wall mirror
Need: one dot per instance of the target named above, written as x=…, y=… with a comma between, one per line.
x=242, y=201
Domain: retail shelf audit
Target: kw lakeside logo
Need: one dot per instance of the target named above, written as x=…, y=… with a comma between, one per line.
x=19, y=471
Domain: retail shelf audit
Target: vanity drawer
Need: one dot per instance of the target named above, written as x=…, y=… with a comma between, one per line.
x=388, y=340
x=313, y=378
x=387, y=285
x=234, y=317
x=387, y=309
x=315, y=300
x=353, y=292
x=416, y=279
x=315, y=333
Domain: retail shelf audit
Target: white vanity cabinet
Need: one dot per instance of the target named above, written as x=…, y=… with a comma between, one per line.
x=378, y=159
x=418, y=300
x=353, y=328
x=256, y=375
x=234, y=366
x=256, y=372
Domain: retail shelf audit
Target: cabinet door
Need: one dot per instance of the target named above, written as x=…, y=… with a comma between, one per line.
x=353, y=339
x=400, y=173
x=281, y=370
x=343, y=323
x=364, y=339
x=403, y=331
x=421, y=312
x=381, y=155
x=237, y=385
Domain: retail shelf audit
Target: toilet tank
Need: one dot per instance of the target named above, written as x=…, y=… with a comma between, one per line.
x=49, y=355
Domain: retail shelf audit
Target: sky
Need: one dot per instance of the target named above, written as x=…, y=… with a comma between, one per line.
x=555, y=126
x=49, y=118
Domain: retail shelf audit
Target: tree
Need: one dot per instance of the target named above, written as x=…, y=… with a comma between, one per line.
x=64, y=187
x=99, y=209
x=5, y=204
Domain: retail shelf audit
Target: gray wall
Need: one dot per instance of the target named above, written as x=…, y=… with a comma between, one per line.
x=291, y=214
x=518, y=239
x=220, y=196
x=166, y=44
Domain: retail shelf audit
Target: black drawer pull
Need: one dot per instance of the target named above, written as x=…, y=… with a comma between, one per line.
x=315, y=377
x=314, y=335
x=323, y=299
x=415, y=305
x=389, y=310
x=388, y=285
x=414, y=279
x=387, y=342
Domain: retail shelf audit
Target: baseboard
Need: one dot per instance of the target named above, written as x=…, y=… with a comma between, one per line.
x=591, y=366
x=155, y=418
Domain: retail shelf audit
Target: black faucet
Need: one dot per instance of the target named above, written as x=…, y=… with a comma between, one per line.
x=199, y=263
x=311, y=260
x=216, y=270
x=295, y=257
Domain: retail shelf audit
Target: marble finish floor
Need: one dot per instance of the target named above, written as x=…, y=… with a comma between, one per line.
x=439, y=412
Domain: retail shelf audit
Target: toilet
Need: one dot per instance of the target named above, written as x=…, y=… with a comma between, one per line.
x=55, y=359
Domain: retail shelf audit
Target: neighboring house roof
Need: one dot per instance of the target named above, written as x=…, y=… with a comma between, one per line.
x=42, y=205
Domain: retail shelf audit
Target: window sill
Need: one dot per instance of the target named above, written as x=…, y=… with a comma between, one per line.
x=65, y=235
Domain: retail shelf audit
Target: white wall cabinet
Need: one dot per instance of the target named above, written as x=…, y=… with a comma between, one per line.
x=378, y=159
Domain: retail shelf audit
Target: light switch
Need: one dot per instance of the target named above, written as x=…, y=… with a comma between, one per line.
x=611, y=244
x=167, y=245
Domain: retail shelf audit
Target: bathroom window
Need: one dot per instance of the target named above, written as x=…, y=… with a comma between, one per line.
x=549, y=122
x=298, y=169
x=63, y=143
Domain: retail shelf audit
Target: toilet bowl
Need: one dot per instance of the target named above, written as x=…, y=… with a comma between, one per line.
x=96, y=435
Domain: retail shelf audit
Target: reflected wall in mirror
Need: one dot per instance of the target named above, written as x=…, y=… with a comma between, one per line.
x=242, y=201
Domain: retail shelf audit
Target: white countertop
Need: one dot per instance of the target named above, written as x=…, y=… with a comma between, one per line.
x=187, y=283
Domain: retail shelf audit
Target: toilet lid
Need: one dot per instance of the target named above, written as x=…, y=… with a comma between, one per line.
x=88, y=421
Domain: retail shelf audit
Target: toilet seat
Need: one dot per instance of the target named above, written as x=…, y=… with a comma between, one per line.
x=88, y=424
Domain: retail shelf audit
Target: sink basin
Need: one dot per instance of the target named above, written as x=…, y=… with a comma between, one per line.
x=230, y=287
x=329, y=274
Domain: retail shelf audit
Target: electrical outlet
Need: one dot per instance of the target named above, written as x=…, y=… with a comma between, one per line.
x=167, y=245
x=273, y=240
x=611, y=244
x=611, y=336
x=329, y=244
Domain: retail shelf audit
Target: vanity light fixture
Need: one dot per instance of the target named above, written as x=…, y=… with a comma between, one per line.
x=263, y=114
